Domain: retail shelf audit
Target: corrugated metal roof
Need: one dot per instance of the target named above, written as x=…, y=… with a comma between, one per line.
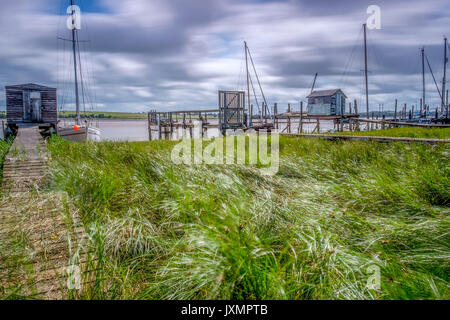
x=324, y=93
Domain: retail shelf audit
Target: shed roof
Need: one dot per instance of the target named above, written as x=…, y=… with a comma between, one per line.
x=324, y=93
x=28, y=86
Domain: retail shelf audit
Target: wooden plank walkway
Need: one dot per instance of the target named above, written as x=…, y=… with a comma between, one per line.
x=25, y=165
x=367, y=138
x=43, y=245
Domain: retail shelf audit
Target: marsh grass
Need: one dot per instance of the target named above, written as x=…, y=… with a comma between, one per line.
x=166, y=231
x=4, y=148
x=431, y=133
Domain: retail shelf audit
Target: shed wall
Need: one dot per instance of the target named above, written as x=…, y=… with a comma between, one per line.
x=15, y=103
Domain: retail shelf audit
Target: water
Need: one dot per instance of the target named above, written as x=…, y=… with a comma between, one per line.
x=124, y=130
x=137, y=130
x=119, y=130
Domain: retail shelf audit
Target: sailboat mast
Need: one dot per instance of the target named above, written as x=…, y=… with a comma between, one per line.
x=248, y=76
x=314, y=82
x=74, y=48
x=445, y=70
x=365, y=70
x=423, y=81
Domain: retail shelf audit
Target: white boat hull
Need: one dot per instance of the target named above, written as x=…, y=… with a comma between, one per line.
x=81, y=134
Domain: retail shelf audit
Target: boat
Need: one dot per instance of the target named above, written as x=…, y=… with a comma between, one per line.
x=77, y=133
x=81, y=131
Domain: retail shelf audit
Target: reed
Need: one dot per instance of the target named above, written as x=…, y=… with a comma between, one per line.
x=4, y=147
x=430, y=133
x=166, y=231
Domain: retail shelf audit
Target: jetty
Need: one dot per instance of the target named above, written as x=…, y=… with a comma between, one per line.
x=43, y=244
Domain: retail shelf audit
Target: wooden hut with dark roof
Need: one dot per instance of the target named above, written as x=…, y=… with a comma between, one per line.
x=326, y=103
x=31, y=103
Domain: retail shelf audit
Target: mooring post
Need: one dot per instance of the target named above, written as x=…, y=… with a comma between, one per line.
x=395, y=110
x=300, y=125
x=158, y=123
x=357, y=115
x=289, y=118
x=275, y=114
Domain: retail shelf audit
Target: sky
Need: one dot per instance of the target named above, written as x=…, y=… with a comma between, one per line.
x=140, y=55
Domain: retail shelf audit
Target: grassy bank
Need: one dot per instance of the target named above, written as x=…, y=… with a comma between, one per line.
x=333, y=213
x=431, y=133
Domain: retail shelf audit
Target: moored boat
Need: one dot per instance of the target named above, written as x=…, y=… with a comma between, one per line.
x=77, y=133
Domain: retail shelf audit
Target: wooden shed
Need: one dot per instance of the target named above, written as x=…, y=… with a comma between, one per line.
x=326, y=103
x=31, y=103
x=231, y=110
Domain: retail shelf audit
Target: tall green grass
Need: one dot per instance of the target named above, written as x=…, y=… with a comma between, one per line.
x=312, y=231
x=431, y=133
x=4, y=147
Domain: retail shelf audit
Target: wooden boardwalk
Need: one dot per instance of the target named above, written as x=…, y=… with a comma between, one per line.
x=25, y=165
x=43, y=245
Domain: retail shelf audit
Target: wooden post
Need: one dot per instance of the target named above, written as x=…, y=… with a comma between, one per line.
x=356, y=112
x=300, y=125
x=275, y=114
x=158, y=122
x=382, y=123
x=148, y=128
x=251, y=115
x=395, y=110
x=201, y=127
x=318, y=125
x=289, y=118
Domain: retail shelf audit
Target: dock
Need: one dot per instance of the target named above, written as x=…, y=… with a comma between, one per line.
x=43, y=244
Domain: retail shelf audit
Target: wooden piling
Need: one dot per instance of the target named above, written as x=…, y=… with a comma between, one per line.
x=289, y=118
x=300, y=125
x=395, y=110
x=356, y=112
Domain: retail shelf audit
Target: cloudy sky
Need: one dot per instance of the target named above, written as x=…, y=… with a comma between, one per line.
x=176, y=54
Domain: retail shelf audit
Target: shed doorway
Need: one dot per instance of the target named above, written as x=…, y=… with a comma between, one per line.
x=32, y=106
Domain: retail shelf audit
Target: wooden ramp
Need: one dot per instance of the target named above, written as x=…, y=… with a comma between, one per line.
x=25, y=166
x=43, y=245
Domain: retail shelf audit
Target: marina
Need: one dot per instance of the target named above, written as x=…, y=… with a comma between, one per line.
x=146, y=166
